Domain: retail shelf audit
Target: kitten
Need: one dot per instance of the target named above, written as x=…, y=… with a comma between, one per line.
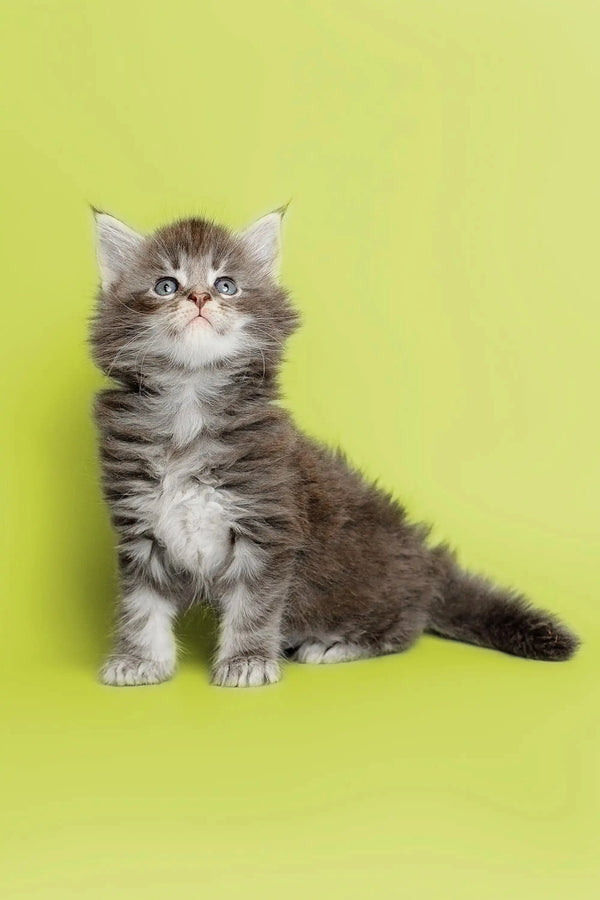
x=216, y=496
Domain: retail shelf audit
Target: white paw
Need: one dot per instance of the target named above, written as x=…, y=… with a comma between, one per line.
x=251, y=672
x=127, y=670
x=317, y=652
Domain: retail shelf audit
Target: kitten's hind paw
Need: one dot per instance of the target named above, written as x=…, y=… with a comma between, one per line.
x=120, y=671
x=252, y=671
x=318, y=653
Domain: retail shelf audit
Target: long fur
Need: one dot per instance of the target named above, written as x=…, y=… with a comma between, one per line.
x=217, y=497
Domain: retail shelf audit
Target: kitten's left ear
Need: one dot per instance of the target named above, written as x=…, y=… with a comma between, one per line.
x=116, y=246
x=263, y=240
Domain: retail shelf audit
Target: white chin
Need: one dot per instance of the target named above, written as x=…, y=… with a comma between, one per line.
x=199, y=344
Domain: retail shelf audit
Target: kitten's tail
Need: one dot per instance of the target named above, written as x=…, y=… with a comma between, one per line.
x=473, y=610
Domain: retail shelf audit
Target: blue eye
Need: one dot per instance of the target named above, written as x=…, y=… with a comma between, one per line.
x=226, y=286
x=165, y=287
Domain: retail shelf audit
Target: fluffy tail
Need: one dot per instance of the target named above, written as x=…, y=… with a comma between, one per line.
x=475, y=611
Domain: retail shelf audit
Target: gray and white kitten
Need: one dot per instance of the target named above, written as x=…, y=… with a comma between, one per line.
x=217, y=497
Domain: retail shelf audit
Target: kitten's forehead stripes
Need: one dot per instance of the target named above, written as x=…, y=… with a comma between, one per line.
x=204, y=251
x=194, y=237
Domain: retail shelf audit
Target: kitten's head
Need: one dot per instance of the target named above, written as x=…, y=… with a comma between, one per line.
x=189, y=296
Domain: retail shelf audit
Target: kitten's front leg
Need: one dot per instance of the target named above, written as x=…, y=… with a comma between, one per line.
x=249, y=637
x=145, y=650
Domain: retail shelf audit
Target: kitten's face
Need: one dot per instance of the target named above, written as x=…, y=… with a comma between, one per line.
x=189, y=296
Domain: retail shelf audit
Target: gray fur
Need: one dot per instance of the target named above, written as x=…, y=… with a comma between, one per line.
x=217, y=497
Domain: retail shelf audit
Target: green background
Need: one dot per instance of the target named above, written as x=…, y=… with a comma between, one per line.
x=442, y=244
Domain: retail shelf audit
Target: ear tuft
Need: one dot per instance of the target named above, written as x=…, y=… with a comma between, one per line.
x=284, y=208
x=116, y=246
x=263, y=240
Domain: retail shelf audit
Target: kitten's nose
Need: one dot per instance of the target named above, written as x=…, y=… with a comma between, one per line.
x=199, y=299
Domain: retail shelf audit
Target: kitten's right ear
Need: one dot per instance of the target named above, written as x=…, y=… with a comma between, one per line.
x=116, y=246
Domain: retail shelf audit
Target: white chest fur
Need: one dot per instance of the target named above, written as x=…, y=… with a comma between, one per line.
x=190, y=520
x=186, y=513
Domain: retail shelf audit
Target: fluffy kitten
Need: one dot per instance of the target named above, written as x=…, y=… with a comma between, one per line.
x=216, y=496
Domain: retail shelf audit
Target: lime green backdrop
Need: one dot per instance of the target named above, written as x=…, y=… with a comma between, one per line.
x=441, y=243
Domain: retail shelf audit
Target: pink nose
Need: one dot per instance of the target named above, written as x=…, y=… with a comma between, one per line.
x=199, y=299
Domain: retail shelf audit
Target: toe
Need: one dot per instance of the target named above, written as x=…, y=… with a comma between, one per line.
x=122, y=671
x=250, y=672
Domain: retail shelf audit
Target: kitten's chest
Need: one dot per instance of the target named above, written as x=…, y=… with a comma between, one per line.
x=189, y=516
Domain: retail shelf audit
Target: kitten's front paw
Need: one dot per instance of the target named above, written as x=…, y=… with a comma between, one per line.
x=252, y=671
x=120, y=671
